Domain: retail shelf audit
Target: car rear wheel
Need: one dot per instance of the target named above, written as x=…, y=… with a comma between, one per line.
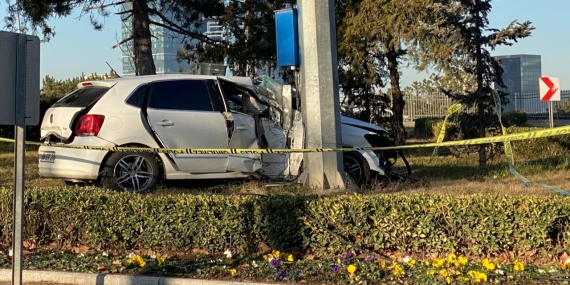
x=134, y=172
x=356, y=167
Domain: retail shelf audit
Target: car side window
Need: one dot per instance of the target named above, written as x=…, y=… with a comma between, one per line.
x=136, y=98
x=187, y=95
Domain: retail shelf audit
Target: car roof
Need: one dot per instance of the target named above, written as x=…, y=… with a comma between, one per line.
x=149, y=78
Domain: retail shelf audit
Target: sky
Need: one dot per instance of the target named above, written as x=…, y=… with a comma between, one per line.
x=77, y=48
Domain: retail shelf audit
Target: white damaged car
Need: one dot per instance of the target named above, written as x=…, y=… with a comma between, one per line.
x=188, y=111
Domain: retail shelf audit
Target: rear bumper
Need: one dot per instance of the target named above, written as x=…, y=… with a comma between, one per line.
x=76, y=164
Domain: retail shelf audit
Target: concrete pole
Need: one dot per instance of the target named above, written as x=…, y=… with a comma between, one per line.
x=319, y=93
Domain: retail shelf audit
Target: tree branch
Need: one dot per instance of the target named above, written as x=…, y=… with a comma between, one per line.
x=124, y=12
x=178, y=29
x=85, y=9
x=122, y=42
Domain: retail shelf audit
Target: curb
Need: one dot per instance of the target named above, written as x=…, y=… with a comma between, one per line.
x=74, y=278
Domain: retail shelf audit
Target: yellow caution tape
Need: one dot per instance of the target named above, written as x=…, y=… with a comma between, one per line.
x=450, y=111
x=504, y=138
x=510, y=157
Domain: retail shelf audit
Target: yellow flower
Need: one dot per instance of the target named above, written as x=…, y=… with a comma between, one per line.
x=488, y=265
x=397, y=270
x=137, y=259
x=338, y=261
x=426, y=263
x=437, y=262
x=479, y=277
x=451, y=258
x=463, y=278
x=518, y=266
x=382, y=263
x=275, y=253
x=443, y=273
x=351, y=269
x=411, y=262
x=566, y=264
x=431, y=272
x=290, y=258
x=460, y=262
x=448, y=280
x=160, y=260
x=233, y=271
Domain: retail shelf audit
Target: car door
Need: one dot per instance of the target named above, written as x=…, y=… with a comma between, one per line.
x=183, y=115
x=244, y=133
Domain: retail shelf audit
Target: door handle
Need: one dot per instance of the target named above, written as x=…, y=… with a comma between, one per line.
x=165, y=123
x=241, y=127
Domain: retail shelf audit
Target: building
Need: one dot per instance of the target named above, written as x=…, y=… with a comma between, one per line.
x=521, y=75
x=165, y=45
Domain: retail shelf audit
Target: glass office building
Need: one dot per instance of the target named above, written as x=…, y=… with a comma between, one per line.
x=521, y=75
x=165, y=45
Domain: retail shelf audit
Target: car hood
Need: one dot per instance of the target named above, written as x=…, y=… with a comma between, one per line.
x=360, y=124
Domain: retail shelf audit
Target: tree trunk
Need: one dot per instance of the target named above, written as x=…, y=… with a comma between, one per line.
x=142, y=45
x=480, y=97
x=398, y=102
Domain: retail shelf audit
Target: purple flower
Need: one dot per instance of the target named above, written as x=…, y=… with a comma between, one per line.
x=336, y=268
x=370, y=258
x=274, y=262
x=282, y=274
x=348, y=255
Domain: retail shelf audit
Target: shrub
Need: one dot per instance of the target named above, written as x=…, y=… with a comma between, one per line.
x=516, y=118
x=423, y=127
x=419, y=224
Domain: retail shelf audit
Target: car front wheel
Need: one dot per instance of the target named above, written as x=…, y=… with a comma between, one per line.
x=356, y=167
x=134, y=172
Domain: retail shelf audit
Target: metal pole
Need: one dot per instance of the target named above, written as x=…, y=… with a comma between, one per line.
x=550, y=114
x=19, y=161
x=319, y=91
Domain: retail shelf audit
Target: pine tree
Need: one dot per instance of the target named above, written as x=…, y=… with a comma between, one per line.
x=374, y=37
x=462, y=26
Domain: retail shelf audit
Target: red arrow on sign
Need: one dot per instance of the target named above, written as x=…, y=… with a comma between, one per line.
x=551, y=89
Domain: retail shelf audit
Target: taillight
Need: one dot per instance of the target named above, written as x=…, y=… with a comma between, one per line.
x=89, y=125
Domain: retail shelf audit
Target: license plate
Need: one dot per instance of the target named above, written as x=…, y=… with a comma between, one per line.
x=47, y=156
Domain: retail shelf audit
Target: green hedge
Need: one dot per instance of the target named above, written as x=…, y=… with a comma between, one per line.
x=538, y=148
x=417, y=224
x=424, y=127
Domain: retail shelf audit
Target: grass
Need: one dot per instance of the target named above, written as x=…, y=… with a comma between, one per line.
x=442, y=174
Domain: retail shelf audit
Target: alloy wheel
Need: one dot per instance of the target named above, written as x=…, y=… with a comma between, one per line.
x=134, y=173
x=353, y=168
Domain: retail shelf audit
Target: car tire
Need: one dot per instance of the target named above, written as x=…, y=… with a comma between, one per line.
x=356, y=167
x=133, y=172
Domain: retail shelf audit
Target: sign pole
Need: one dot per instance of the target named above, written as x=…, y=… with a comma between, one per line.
x=19, y=161
x=550, y=115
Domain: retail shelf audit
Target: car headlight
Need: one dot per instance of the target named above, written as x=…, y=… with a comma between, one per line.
x=387, y=157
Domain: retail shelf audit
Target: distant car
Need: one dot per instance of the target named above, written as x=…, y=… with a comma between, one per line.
x=187, y=111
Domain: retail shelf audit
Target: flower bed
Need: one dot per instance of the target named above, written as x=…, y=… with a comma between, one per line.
x=227, y=234
x=283, y=267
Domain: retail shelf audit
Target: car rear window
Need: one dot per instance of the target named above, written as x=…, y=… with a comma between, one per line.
x=137, y=97
x=82, y=97
x=186, y=95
